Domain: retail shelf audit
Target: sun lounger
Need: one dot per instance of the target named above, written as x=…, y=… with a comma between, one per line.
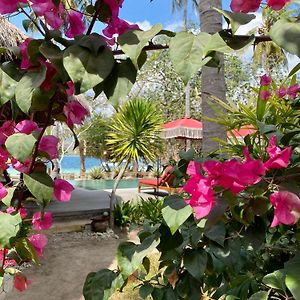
x=163, y=183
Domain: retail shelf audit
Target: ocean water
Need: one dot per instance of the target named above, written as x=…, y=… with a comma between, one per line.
x=71, y=164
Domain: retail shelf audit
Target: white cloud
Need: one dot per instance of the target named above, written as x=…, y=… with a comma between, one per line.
x=175, y=26
x=144, y=25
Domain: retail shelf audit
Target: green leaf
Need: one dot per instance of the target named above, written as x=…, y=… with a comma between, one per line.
x=10, y=226
x=9, y=75
x=133, y=41
x=275, y=280
x=195, y=262
x=119, y=83
x=25, y=250
x=40, y=186
x=175, y=212
x=20, y=145
x=26, y=24
x=145, y=290
x=55, y=55
x=292, y=279
x=261, y=105
x=85, y=68
x=186, y=53
x=294, y=70
x=236, y=19
x=234, y=42
x=101, y=285
x=7, y=199
x=263, y=295
x=130, y=256
x=26, y=86
x=216, y=233
x=286, y=34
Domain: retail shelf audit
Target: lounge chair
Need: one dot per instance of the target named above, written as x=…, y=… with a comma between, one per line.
x=165, y=182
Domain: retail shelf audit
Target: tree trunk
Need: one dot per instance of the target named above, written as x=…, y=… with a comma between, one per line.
x=185, y=14
x=82, y=158
x=213, y=81
x=113, y=195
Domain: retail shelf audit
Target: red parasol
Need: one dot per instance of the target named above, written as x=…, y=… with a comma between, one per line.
x=242, y=132
x=186, y=128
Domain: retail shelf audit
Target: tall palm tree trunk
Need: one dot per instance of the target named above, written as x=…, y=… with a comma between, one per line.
x=213, y=81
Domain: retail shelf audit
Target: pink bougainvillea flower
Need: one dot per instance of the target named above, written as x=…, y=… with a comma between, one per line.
x=49, y=144
x=202, y=199
x=62, y=190
x=53, y=14
x=286, y=208
x=3, y=159
x=76, y=25
x=293, y=91
x=277, y=4
x=75, y=113
x=282, y=91
x=21, y=167
x=26, y=126
x=22, y=211
x=245, y=6
x=71, y=88
x=50, y=73
x=265, y=95
x=3, y=191
x=25, y=63
x=114, y=6
x=6, y=130
x=109, y=41
x=194, y=168
x=42, y=223
x=118, y=26
x=265, y=80
x=9, y=6
x=21, y=283
x=278, y=158
x=38, y=241
x=251, y=170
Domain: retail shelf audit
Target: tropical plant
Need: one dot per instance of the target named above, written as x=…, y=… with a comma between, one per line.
x=96, y=173
x=135, y=133
x=150, y=210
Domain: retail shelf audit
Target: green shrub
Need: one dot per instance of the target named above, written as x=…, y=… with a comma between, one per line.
x=96, y=173
x=150, y=209
x=130, y=213
x=126, y=213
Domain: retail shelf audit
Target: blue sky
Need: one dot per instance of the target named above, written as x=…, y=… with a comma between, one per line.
x=149, y=13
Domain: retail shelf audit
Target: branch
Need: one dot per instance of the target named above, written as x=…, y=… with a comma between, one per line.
x=258, y=39
x=96, y=14
x=47, y=121
x=33, y=21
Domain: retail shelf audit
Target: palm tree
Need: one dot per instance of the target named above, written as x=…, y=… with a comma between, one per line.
x=135, y=133
x=179, y=4
x=268, y=55
x=213, y=81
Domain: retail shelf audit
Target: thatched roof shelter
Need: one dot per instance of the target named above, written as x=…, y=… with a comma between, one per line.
x=10, y=36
